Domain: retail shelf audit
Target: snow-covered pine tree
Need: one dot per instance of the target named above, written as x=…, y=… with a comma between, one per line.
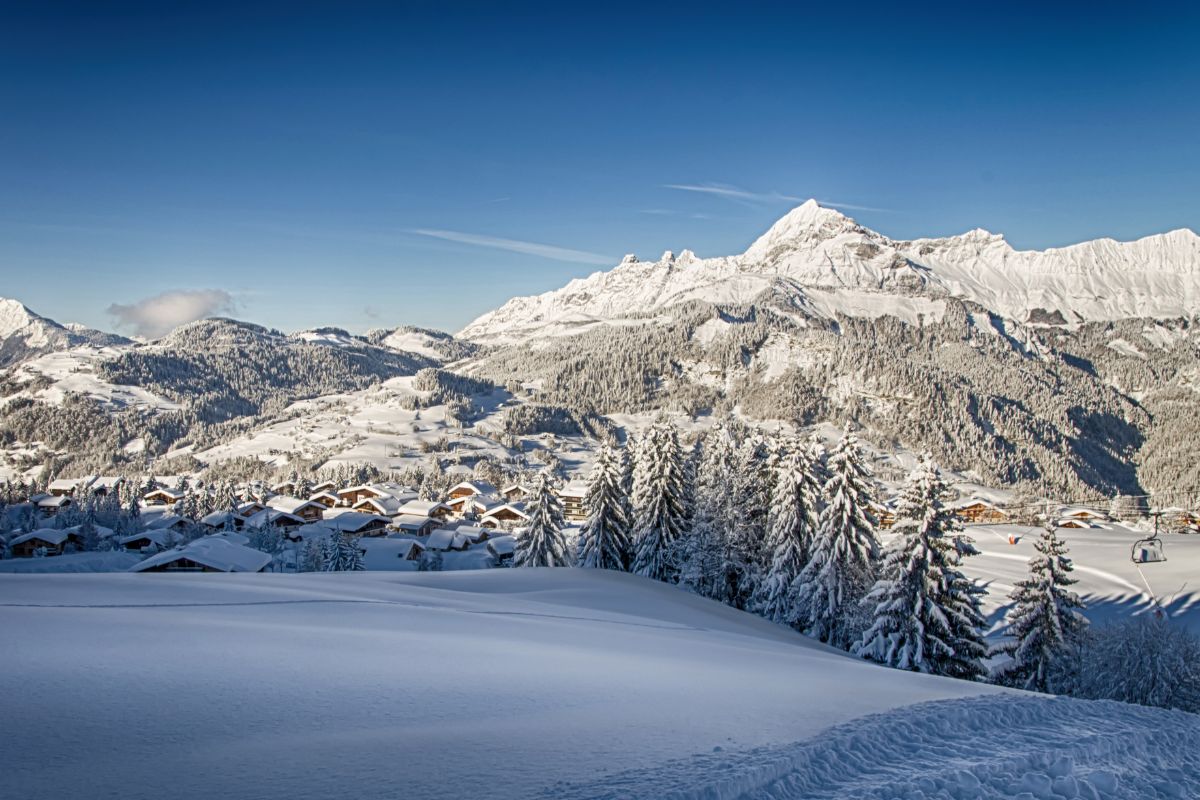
x=312, y=558
x=792, y=526
x=703, y=559
x=660, y=511
x=604, y=539
x=841, y=568
x=747, y=515
x=927, y=616
x=543, y=543
x=1045, y=620
x=351, y=555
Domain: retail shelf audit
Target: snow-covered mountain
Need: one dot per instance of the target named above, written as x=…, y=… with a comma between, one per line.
x=24, y=334
x=830, y=264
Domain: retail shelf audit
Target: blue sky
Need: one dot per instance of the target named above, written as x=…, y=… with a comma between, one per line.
x=367, y=165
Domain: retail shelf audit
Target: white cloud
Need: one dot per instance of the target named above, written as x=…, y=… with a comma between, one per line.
x=517, y=246
x=157, y=316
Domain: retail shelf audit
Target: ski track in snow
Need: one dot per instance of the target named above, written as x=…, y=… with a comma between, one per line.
x=1011, y=745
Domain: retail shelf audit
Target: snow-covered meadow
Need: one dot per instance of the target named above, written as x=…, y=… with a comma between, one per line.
x=510, y=684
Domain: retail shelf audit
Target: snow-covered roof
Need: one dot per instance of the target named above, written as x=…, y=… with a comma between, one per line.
x=441, y=539
x=269, y=516
x=574, y=489
x=411, y=521
x=231, y=536
x=318, y=496
x=107, y=482
x=55, y=536
x=516, y=508
x=515, y=487
x=291, y=505
x=70, y=484
x=101, y=531
x=473, y=532
x=480, y=502
x=352, y=521
x=422, y=508
x=213, y=552
x=160, y=537
x=168, y=521
x=217, y=518
x=172, y=493
x=475, y=487
x=974, y=501
x=53, y=502
x=387, y=505
x=502, y=545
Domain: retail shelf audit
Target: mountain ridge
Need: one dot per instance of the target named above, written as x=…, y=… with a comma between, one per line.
x=821, y=250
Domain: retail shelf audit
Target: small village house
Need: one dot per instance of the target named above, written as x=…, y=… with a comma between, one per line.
x=50, y=541
x=573, y=497
x=209, y=554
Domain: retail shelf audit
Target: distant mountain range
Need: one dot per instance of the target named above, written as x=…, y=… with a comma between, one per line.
x=1072, y=370
x=830, y=265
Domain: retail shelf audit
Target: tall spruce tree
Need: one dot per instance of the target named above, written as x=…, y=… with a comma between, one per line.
x=543, y=543
x=841, y=568
x=927, y=616
x=748, y=508
x=1044, y=622
x=604, y=539
x=660, y=511
x=792, y=525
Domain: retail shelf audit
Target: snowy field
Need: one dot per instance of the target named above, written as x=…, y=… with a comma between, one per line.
x=1109, y=583
x=510, y=684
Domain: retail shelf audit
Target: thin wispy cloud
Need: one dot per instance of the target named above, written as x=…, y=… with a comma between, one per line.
x=517, y=246
x=747, y=197
x=157, y=316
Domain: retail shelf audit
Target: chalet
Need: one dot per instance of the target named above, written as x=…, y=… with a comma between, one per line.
x=50, y=541
x=325, y=487
x=469, y=488
x=884, y=515
x=250, y=508
x=410, y=549
x=384, y=506
x=504, y=515
x=162, y=497
x=52, y=504
x=977, y=512
x=149, y=541
x=221, y=520
x=1073, y=522
x=69, y=487
x=514, y=492
x=105, y=485
x=444, y=539
x=210, y=554
x=326, y=498
x=308, y=510
x=357, y=523
x=425, y=508
x=274, y=518
x=354, y=494
x=476, y=533
x=170, y=522
x=573, y=497
x=286, y=487
x=465, y=505
x=230, y=536
x=502, y=548
x=414, y=525
x=1083, y=514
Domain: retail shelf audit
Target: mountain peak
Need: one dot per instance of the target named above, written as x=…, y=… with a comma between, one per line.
x=807, y=221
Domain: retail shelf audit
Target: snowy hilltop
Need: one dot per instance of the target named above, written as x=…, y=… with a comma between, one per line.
x=831, y=264
x=24, y=334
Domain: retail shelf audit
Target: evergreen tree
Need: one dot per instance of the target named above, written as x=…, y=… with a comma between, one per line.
x=841, y=568
x=543, y=543
x=1044, y=621
x=927, y=616
x=312, y=558
x=660, y=512
x=604, y=539
x=792, y=528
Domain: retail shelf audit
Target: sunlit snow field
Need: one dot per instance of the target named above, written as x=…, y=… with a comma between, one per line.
x=493, y=684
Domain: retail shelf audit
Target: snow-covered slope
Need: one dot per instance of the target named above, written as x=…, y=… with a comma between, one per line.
x=510, y=684
x=830, y=263
x=24, y=334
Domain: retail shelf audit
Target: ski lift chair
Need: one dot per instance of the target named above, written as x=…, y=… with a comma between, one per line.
x=1148, y=550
